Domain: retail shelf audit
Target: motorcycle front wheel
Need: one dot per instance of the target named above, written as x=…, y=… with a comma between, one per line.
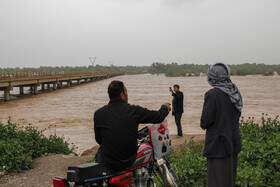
x=169, y=177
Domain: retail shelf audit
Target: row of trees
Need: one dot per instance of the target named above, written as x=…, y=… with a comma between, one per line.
x=97, y=68
x=169, y=69
x=174, y=69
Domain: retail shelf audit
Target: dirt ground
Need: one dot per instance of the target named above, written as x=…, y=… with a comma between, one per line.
x=45, y=168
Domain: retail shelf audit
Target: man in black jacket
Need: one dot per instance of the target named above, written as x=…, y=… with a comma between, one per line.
x=220, y=117
x=177, y=107
x=116, y=127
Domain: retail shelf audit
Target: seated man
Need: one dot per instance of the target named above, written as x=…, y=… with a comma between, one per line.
x=116, y=127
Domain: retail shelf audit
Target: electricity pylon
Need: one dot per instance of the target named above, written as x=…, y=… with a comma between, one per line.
x=92, y=60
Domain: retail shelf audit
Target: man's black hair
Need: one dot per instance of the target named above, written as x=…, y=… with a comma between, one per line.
x=115, y=88
x=177, y=86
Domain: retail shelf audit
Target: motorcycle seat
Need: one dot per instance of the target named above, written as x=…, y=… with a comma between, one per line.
x=88, y=172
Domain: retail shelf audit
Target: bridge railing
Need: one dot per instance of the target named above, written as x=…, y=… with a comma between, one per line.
x=14, y=75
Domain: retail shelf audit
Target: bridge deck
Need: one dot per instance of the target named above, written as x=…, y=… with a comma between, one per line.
x=35, y=79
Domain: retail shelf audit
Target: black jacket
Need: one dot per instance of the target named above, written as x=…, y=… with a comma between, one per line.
x=220, y=118
x=177, y=102
x=116, y=130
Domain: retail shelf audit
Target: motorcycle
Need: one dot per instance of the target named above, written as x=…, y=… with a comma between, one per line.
x=142, y=172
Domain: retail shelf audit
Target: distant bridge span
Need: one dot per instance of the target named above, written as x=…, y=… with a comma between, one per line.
x=40, y=79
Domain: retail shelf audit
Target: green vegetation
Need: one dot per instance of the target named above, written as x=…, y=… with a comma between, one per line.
x=126, y=69
x=259, y=161
x=190, y=165
x=18, y=146
x=258, y=164
x=174, y=69
x=97, y=68
x=169, y=69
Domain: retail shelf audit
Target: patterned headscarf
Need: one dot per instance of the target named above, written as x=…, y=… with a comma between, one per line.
x=218, y=76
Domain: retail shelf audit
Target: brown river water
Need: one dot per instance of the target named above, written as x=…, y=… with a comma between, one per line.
x=69, y=112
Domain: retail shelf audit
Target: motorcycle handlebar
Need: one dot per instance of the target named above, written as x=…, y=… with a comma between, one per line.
x=142, y=133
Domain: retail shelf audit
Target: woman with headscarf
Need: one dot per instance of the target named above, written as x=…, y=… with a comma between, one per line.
x=220, y=118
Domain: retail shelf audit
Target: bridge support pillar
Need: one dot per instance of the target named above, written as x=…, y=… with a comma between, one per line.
x=68, y=83
x=54, y=86
x=59, y=84
x=42, y=87
x=78, y=81
x=21, y=92
x=35, y=89
x=7, y=94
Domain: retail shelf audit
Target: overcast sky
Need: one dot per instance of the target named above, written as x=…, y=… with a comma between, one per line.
x=37, y=33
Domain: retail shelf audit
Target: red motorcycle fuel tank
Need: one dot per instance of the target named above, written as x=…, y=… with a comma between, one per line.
x=144, y=156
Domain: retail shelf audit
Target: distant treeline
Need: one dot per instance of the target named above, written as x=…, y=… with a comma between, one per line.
x=97, y=68
x=175, y=70
x=169, y=69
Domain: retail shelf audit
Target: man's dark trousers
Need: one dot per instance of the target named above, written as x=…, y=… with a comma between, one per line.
x=178, y=117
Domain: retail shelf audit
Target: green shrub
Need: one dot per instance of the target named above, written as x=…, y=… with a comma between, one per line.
x=190, y=165
x=19, y=146
x=13, y=157
x=258, y=162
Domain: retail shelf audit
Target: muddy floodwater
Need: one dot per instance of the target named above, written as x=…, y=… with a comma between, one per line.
x=69, y=111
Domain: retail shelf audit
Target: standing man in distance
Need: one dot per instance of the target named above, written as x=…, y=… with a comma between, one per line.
x=116, y=127
x=177, y=107
x=220, y=118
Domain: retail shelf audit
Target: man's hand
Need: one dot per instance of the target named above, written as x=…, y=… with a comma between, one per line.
x=170, y=89
x=168, y=105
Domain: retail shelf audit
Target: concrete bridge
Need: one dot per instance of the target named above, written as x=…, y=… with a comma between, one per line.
x=52, y=80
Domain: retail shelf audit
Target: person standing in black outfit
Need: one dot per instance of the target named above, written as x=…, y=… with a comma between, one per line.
x=220, y=118
x=116, y=127
x=177, y=107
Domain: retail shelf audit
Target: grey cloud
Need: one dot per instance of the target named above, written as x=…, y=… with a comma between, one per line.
x=181, y=2
x=137, y=32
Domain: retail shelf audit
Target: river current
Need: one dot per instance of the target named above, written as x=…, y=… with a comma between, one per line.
x=69, y=112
